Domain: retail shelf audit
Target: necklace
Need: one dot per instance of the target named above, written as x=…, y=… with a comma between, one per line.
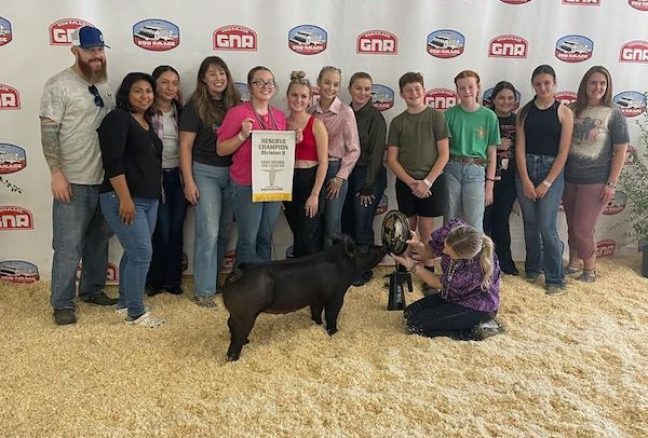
x=452, y=268
x=269, y=124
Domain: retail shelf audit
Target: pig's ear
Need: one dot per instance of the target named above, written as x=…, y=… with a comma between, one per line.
x=349, y=246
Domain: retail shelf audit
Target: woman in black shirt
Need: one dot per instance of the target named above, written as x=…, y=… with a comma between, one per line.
x=132, y=158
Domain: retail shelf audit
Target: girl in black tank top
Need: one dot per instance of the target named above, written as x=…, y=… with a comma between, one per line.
x=543, y=138
x=542, y=128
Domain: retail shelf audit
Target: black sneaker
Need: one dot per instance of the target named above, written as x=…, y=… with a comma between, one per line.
x=152, y=290
x=64, y=316
x=101, y=299
x=175, y=290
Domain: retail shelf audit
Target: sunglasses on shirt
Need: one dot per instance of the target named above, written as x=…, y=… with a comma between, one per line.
x=97, y=97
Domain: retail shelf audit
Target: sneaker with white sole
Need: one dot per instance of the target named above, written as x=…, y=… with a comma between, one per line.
x=146, y=320
x=124, y=310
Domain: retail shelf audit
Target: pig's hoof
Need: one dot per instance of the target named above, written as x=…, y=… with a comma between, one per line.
x=317, y=321
x=232, y=357
x=331, y=332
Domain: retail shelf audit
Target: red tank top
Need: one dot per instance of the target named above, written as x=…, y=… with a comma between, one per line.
x=307, y=149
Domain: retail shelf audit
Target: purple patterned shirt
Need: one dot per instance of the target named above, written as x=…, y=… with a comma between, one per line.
x=461, y=279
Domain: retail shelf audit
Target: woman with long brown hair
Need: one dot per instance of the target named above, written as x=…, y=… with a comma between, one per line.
x=206, y=174
x=595, y=160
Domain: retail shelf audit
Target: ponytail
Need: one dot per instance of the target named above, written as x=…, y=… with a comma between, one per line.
x=486, y=262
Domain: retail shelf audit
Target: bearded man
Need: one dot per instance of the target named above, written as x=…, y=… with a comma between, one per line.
x=73, y=104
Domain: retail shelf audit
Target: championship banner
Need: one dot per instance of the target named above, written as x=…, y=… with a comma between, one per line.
x=273, y=164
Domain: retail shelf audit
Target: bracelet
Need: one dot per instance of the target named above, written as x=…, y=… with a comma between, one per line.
x=491, y=179
x=427, y=182
x=241, y=137
x=546, y=183
x=611, y=184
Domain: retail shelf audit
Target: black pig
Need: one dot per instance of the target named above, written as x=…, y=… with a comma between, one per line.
x=319, y=280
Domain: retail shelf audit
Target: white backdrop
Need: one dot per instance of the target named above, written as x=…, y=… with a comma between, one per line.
x=500, y=39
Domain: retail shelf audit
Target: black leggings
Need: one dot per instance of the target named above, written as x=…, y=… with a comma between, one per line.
x=434, y=316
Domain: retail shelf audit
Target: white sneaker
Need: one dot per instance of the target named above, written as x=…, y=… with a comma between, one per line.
x=147, y=320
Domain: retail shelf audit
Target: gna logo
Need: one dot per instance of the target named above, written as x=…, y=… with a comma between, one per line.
x=605, y=248
x=235, y=38
x=382, y=97
x=441, y=98
x=18, y=271
x=445, y=43
x=631, y=155
x=566, y=97
x=377, y=42
x=60, y=32
x=617, y=204
x=156, y=35
x=5, y=31
x=244, y=90
x=488, y=94
x=12, y=158
x=582, y=2
x=515, y=2
x=9, y=98
x=640, y=5
x=574, y=48
x=307, y=39
x=634, y=51
x=631, y=103
x=13, y=218
x=508, y=46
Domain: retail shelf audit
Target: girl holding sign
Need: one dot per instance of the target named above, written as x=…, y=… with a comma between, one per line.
x=254, y=220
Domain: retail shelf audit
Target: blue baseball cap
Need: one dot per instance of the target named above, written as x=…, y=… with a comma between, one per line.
x=88, y=37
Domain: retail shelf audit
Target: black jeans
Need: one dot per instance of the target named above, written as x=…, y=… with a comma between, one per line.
x=165, y=269
x=496, y=218
x=434, y=316
x=357, y=220
x=307, y=231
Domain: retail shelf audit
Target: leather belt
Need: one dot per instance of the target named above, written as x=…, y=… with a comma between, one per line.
x=468, y=160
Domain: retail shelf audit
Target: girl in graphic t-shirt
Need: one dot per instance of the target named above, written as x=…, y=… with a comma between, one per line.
x=496, y=215
x=596, y=157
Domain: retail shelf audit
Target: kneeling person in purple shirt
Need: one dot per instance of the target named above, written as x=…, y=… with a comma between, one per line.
x=470, y=283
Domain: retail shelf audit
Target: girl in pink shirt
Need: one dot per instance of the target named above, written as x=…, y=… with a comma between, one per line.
x=254, y=220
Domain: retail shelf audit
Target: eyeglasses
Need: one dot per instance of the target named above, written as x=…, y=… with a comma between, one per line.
x=261, y=84
x=97, y=97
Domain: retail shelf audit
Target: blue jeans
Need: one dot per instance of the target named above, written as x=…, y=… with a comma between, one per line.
x=138, y=249
x=213, y=220
x=166, y=263
x=254, y=222
x=465, y=186
x=333, y=207
x=358, y=219
x=544, y=249
x=80, y=233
